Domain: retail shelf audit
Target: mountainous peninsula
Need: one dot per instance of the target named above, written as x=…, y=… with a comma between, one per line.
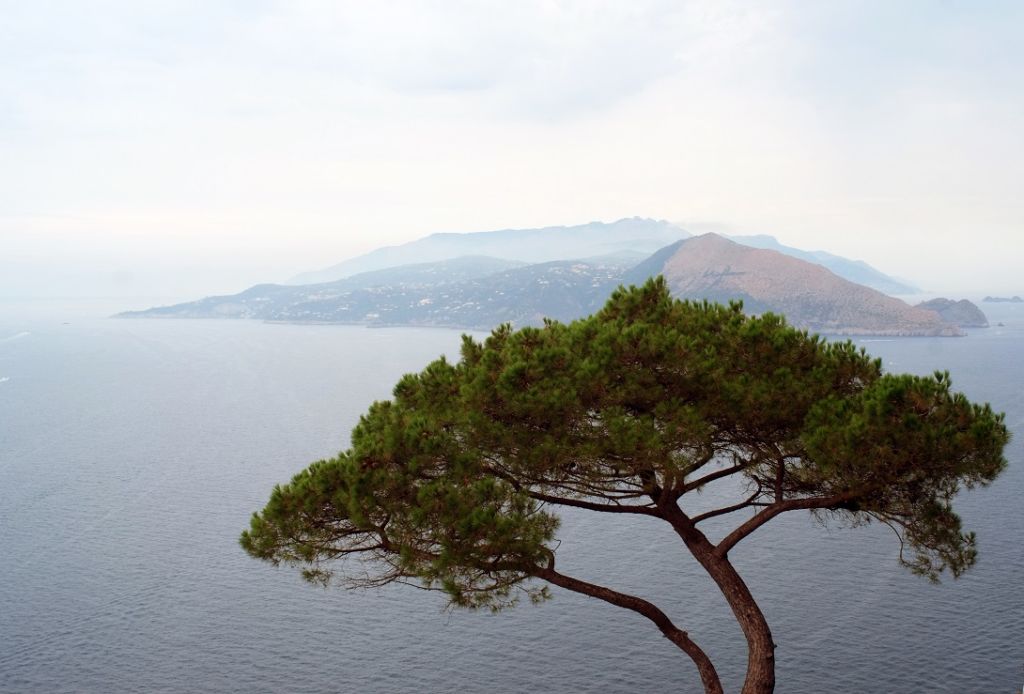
x=480, y=292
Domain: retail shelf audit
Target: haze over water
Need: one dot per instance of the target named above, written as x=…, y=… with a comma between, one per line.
x=133, y=452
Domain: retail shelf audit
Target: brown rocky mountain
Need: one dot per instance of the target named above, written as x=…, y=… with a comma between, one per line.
x=810, y=296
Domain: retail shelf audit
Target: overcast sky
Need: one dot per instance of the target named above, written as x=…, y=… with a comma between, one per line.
x=184, y=148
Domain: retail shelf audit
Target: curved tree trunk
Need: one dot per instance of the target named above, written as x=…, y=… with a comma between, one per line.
x=708, y=674
x=760, y=677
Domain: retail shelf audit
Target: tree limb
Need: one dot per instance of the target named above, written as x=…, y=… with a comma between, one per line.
x=728, y=509
x=708, y=674
x=769, y=512
x=712, y=476
x=591, y=506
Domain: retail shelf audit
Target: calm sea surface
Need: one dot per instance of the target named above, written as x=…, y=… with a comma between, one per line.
x=133, y=452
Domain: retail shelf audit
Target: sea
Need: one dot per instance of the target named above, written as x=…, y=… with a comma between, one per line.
x=133, y=452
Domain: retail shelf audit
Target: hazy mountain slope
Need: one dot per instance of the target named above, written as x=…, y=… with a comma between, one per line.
x=439, y=272
x=810, y=296
x=636, y=236
x=854, y=270
x=526, y=245
x=267, y=300
x=563, y=290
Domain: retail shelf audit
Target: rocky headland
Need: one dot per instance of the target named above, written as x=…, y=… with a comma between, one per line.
x=961, y=313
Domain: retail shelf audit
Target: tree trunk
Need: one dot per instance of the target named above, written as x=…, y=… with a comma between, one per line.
x=708, y=674
x=760, y=678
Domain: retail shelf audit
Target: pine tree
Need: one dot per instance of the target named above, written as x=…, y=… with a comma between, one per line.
x=456, y=481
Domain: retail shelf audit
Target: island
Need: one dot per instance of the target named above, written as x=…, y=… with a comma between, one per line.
x=481, y=292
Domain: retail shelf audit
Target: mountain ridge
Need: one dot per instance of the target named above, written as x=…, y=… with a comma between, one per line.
x=524, y=245
x=635, y=235
x=854, y=270
x=464, y=293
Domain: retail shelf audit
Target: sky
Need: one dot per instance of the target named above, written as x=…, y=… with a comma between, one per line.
x=177, y=149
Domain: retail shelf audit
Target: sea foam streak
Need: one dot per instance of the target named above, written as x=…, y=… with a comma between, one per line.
x=14, y=337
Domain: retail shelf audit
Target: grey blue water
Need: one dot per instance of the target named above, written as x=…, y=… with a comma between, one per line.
x=133, y=452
